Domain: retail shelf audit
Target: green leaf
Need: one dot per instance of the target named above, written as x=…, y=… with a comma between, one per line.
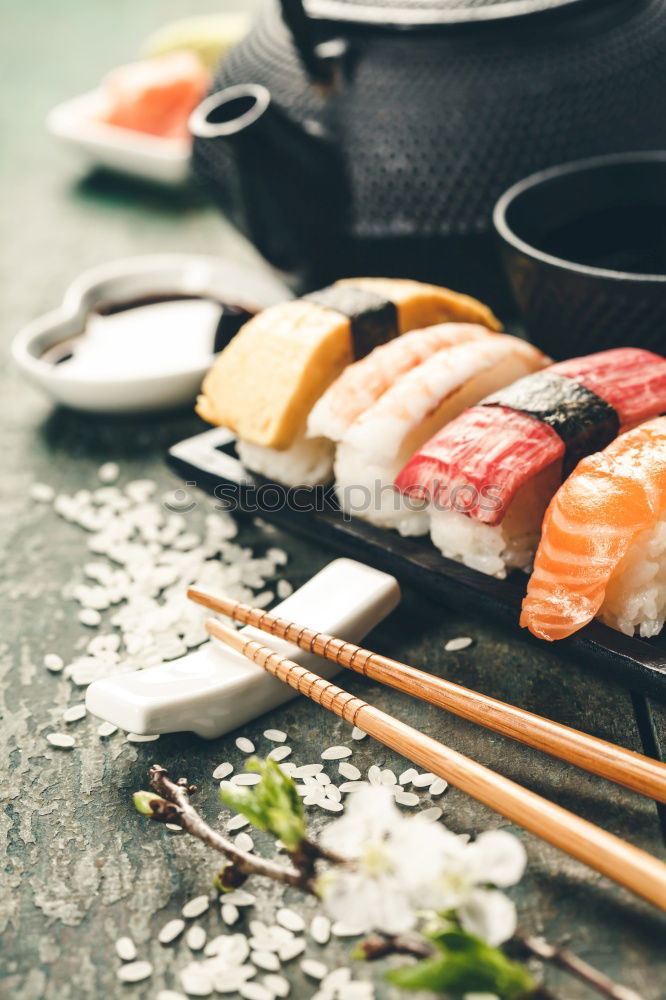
x=466, y=965
x=273, y=804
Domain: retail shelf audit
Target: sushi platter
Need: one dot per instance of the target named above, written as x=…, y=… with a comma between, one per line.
x=376, y=412
x=209, y=461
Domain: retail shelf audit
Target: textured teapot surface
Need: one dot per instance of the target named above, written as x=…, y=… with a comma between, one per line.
x=431, y=126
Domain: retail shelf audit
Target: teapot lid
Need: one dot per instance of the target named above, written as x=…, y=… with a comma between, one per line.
x=425, y=13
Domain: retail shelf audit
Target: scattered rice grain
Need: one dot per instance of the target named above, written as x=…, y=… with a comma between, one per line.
x=230, y=913
x=63, y=741
x=195, y=907
x=42, y=493
x=358, y=734
x=171, y=930
x=244, y=842
x=291, y=949
x=320, y=929
x=89, y=617
x=266, y=960
x=223, y=771
x=245, y=779
x=125, y=949
x=336, y=753
x=311, y=967
x=349, y=771
x=454, y=645
x=134, y=972
x=278, y=985
x=74, y=713
x=237, y=823
x=275, y=735
x=108, y=473
x=54, y=663
x=255, y=991
x=195, y=938
x=423, y=780
x=288, y=918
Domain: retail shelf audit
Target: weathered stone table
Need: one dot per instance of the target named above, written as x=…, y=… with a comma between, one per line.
x=80, y=867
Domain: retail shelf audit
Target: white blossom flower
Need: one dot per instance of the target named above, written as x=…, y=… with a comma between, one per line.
x=402, y=865
x=488, y=914
x=394, y=858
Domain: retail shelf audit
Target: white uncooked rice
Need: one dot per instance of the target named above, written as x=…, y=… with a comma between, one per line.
x=195, y=907
x=171, y=930
x=275, y=735
x=289, y=919
x=320, y=929
x=63, y=741
x=223, y=771
x=308, y=462
x=125, y=949
x=511, y=544
x=455, y=645
x=336, y=753
x=365, y=489
x=134, y=972
x=635, y=598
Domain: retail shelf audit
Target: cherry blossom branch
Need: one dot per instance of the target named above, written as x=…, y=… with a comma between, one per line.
x=577, y=967
x=174, y=806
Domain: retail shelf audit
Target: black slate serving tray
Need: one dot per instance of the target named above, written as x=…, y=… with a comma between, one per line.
x=209, y=461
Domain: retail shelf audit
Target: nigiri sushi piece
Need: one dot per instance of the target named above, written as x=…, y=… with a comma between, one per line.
x=362, y=383
x=377, y=442
x=489, y=475
x=603, y=545
x=266, y=381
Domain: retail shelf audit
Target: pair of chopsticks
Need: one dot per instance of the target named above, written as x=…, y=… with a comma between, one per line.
x=606, y=853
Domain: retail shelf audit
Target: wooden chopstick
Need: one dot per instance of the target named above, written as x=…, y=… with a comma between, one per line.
x=624, y=767
x=622, y=862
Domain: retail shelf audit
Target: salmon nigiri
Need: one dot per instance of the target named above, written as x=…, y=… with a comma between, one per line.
x=603, y=546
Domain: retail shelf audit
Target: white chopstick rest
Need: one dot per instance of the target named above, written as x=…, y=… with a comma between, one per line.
x=214, y=690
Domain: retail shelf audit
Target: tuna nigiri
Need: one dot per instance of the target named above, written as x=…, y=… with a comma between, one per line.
x=603, y=546
x=488, y=475
x=266, y=381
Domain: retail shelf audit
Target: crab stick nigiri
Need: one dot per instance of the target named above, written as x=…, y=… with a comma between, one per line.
x=603, y=546
x=489, y=475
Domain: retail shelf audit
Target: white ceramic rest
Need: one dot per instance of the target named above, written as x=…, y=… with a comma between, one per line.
x=214, y=690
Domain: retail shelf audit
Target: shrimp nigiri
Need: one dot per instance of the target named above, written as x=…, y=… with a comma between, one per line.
x=603, y=546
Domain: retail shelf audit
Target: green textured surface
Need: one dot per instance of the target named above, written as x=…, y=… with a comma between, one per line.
x=81, y=867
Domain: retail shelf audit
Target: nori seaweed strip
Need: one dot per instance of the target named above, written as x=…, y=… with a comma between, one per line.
x=373, y=320
x=585, y=422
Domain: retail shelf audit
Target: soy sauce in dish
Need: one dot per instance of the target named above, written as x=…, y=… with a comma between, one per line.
x=149, y=335
x=630, y=238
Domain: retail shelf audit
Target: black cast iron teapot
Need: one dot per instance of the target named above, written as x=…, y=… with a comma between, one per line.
x=349, y=136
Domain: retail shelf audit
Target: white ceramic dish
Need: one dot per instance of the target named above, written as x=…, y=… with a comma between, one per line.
x=214, y=690
x=149, y=157
x=129, y=278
